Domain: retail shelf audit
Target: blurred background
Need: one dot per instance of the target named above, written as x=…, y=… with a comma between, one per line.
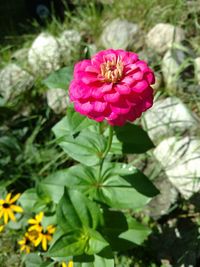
x=40, y=42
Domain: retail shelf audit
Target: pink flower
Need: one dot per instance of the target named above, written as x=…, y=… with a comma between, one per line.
x=114, y=86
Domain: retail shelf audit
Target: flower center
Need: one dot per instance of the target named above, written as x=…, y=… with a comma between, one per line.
x=112, y=71
x=6, y=205
x=27, y=242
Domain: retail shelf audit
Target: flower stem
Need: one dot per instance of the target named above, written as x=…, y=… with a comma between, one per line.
x=109, y=143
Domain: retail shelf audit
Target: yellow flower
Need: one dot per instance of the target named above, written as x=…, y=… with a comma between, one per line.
x=1, y=228
x=36, y=223
x=44, y=237
x=7, y=208
x=70, y=264
x=33, y=235
x=25, y=243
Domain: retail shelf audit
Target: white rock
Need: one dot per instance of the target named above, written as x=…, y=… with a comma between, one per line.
x=181, y=161
x=69, y=42
x=171, y=67
x=57, y=100
x=168, y=117
x=14, y=81
x=44, y=54
x=197, y=69
x=162, y=36
x=119, y=34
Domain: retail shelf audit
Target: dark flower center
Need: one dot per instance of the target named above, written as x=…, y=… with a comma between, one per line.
x=6, y=205
x=27, y=241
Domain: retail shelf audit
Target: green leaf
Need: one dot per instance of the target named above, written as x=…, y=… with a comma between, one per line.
x=134, y=139
x=72, y=123
x=76, y=211
x=33, y=260
x=98, y=262
x=123, y=231
x=86, y=148
x=54, y=185
x=121, y=186
x=28, y=199
x=59, y=79
x=78, y=242
x=72, y=243
x=136, y=233
x=96, y=242
x=77, y=122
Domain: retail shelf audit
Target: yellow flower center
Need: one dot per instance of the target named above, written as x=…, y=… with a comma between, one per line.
x=6, y=205
x=112, y=71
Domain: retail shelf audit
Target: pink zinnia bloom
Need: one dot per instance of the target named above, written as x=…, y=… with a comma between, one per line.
x=114, y=86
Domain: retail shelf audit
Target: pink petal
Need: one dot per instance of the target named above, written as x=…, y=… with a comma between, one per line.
x=150, y=77
x=122, y=89
x=112, y=98
x=99, y=106
x=140, y=86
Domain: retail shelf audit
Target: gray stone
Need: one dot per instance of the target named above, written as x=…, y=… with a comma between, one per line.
x=119, y=34
x=160, y=204
x=57, y=100
x=172, y=67
x=168, y=117
x=69, y=42
x=14, y=81
x=180, y=159
x=44, y=55
x=161, y=37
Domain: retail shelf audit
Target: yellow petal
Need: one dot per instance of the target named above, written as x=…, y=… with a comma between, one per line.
x=2, y=201
x=22, y=241
x=1, y=213
x=28, y=249
x=11, y=215
x=5, y=215
x=64, y=264
x=32, y=221
x=39, y=216
x=70, y=264
x=44, y=243
x=49, y=237
x=36, y=227
x=16, y=208
x=22, y=248
x=15, y=198
x=51, y=229
x=8, y=197
x=38, y=240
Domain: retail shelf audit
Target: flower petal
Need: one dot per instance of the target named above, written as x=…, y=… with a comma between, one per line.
x=14, y=199
x=140, y=86
x=16, y=208
x=8, y=197
x=11, y=215
x=39, y=216
x=44, y=243
x=5, y=215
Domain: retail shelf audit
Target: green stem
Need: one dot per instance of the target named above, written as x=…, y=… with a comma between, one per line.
x=109, y=143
